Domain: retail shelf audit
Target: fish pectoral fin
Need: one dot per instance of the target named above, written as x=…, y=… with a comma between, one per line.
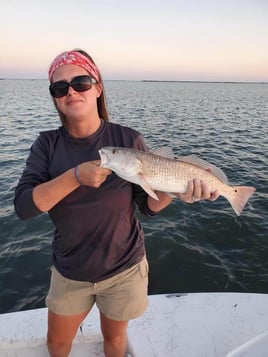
x=147, y=188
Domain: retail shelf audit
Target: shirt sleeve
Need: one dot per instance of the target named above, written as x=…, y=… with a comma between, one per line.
x=35, y=172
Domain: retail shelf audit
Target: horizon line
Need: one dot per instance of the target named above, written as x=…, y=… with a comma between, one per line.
x=157, y=80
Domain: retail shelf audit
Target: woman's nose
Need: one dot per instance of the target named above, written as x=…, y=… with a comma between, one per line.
x=71, y=90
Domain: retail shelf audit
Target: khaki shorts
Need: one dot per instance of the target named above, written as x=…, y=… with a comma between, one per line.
x=121, y=297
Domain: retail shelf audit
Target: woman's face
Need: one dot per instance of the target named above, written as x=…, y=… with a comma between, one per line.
x=76, y=105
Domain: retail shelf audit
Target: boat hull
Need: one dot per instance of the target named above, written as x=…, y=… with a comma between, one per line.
x=192, y=325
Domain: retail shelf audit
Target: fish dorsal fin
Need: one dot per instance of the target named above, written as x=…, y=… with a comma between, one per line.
x=203, y=164
x=164, y=151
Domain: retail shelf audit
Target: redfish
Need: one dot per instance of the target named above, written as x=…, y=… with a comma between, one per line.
x=159, y=171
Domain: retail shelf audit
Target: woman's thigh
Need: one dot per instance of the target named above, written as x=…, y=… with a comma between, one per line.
x=124, y=296
x=69, y=297
x=63, y=328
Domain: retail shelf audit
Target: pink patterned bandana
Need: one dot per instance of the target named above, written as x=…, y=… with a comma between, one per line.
x=73, y=57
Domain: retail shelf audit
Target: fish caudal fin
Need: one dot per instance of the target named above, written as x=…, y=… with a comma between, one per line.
x=240, y=197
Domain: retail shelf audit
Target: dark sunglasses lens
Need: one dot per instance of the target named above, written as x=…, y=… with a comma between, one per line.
x=81, y=83
x=59, y=89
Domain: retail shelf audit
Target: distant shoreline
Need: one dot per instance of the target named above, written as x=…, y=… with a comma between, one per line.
x=147, y=81
x=234, y=82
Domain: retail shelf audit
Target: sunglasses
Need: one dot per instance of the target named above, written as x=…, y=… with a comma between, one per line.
x=79, y=84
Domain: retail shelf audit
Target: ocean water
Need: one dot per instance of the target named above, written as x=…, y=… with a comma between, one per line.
x=190, y=247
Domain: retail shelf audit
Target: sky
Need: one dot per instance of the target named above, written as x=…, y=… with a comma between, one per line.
x=187, y=40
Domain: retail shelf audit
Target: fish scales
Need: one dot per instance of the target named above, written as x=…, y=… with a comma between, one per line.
x=169, y=175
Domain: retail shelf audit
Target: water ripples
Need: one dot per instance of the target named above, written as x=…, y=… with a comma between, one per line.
x=200, y=247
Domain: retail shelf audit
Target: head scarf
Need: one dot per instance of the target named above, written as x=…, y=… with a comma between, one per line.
x=73, y=57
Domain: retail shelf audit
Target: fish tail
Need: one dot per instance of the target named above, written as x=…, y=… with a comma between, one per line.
x=240, y=197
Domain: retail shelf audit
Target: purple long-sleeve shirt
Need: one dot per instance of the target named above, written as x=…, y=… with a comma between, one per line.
x=97, y=233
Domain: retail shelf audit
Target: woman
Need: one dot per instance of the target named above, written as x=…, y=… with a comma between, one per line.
x=98, y=247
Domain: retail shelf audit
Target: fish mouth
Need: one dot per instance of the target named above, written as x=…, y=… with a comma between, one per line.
x=104, y=158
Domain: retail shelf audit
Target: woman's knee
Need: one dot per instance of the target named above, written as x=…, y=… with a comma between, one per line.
x=57, y=347
x=112, y=330
x=61, y=331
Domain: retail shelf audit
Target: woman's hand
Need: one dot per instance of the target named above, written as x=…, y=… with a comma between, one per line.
x=197, y=191
x=47, y=194
x=91, y=174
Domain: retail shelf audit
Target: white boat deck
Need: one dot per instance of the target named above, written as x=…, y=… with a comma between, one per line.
x=190, y=325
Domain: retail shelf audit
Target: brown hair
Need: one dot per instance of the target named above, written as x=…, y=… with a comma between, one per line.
x=101, y=100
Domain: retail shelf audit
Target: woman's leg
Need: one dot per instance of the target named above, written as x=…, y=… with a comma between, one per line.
x=122, y=297
x=61, y=332
x=71, y=301
x=115, y=336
